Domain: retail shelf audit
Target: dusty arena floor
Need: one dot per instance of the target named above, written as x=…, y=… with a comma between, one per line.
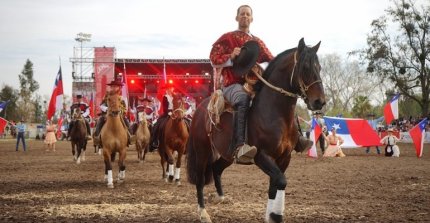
x=40, y=186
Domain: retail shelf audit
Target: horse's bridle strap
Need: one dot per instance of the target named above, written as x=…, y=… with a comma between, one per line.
x=114, y=113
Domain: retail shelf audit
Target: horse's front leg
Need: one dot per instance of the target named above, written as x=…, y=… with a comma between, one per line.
x=170, y=162
x=73, y=151
x=121, y=165
x=278, y=183
x=108, y=168
x=178, y=167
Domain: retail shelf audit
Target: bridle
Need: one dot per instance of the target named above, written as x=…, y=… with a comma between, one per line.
x=180, y=110
x=302, y=86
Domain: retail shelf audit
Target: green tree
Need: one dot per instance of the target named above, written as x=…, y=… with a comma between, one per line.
x=28, y=87
x=11, y=94
x=402, y=58
x=362, y=107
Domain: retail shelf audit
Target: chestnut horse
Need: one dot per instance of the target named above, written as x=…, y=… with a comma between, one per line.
x=78, y=136
x=114, y=138
x=142, y=137
x=174, y=138
x=293, y=74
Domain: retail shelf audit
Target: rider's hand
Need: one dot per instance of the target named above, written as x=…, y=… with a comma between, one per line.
x=235, y=53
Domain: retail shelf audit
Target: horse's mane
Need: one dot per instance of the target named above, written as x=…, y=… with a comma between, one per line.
x=271, y=67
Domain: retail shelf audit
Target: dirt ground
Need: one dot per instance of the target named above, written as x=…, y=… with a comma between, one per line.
x=40, y=186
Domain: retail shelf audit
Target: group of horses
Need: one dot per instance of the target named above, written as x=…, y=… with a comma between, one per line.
x=293, y=74
x=114, y=139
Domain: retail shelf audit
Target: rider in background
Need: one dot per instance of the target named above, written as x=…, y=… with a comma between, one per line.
x=85, y=112
x=115, y=86
x=165, y=111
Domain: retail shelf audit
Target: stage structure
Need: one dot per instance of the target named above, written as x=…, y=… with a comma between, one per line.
x=94, y=67
x=145, y=77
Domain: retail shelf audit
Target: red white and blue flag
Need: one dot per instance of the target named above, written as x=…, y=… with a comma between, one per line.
x=418, y=134
x=3, y=105
x=3, y=123
x=56, y=101
x=355, y=132
x=391, y=109
x=315, y=134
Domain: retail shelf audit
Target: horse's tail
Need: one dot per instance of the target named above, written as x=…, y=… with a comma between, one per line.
x=192, y=160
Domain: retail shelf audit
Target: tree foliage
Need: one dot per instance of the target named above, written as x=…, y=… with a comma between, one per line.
x=10, y=94
x=345, y=80
x=28, y=85
x=362, y=107
x=402, y=57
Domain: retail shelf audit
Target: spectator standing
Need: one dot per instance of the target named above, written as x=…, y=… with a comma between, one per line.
x=374, y=124
x=21, y=127
x=50, y=138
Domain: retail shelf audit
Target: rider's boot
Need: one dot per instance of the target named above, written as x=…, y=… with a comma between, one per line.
x=243, y=153
x=303, y=144
x=87, y=124
x=69, y=129
x=99, y=127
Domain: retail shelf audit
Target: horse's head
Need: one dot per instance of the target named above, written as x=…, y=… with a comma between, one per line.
x=305, y=76
x=113, y=102
x=178, y=106
x=76, y=113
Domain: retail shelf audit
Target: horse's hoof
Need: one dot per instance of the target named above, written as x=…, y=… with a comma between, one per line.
x=165, y=179
x=78, y=161
x=215, y=199
x=170, y=179
x=275, y=218
x=204, y=216
x=178, y=182
x=120, y=181
x=110, y=186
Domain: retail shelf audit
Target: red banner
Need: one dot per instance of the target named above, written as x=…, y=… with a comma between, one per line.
x=104, y=68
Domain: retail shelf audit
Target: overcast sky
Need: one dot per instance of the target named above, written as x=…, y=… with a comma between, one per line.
x=44, y=30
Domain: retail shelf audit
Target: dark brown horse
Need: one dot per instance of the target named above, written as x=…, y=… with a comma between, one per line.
x=293, y=74
x=174, y=138
x=114, y=139
x=78, y=136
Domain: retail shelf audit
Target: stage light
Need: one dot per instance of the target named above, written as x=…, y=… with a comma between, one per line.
x=196, y=81
x=132, y=81
x=185, y=81
x=139, y=73
x=170, y=81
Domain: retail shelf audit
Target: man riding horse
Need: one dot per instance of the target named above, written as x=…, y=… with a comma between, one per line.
x=166, y=108
x=235, y=56
x=85, y=112
x=115, y=86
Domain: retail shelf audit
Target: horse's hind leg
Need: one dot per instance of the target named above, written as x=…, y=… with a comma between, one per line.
x=121, y=165
x=218, y=168
x=108, y=168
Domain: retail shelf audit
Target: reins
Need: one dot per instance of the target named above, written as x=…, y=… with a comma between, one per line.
x=302, y=86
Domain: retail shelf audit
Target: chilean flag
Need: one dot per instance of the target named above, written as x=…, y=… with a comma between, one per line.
x=391, y=109
x=315, y=133
x=56, y=97
x=3, y=123
x=418, y=134
x=3, y=105
x=355, y=132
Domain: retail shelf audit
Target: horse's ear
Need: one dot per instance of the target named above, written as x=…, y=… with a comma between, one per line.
x=301, y=46
x=316, y=47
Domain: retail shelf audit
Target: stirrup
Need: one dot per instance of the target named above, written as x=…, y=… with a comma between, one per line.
x=245, y=154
